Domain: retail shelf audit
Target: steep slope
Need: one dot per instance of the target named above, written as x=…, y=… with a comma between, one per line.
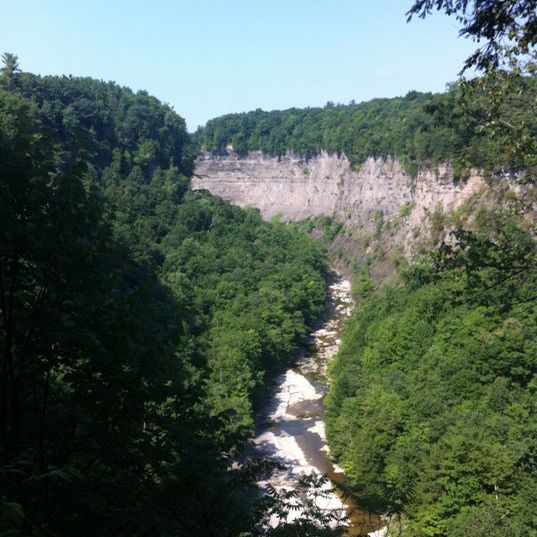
x=431, y=406
x=393, y=172
x=380, y=194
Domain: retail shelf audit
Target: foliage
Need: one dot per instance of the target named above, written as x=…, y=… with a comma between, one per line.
x=502, y=104
x=9, y=69
x=509, y=28
x=432, y=406
x=299, y=510
x=138, y=322
x=421, y=129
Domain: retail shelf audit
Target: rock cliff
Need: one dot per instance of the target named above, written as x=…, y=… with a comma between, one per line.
x=378, y=196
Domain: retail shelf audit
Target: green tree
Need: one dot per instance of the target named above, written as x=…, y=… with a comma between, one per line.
x=431, y=403
x=9, y=69
x=139, y=322
x=508, y=61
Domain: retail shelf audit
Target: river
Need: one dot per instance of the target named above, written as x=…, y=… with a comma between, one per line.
x=292, y=430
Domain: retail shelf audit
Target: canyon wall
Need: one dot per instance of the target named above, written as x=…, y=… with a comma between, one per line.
x=379, y=194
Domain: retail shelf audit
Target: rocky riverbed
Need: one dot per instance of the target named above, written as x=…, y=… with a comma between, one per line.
x=292, y=431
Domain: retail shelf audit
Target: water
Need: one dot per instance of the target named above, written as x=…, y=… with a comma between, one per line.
x=293, y=432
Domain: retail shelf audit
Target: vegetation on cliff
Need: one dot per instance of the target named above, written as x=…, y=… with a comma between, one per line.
x=432, y=408
x=139, y=322
x=421, y=129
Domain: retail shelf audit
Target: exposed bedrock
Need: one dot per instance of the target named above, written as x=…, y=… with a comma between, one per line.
x=296, y=188
x=379, y=199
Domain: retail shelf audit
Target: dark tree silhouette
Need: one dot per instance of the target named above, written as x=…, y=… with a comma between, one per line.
x=508, y=28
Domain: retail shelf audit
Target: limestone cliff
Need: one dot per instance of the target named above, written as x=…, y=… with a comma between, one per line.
x=378, y=196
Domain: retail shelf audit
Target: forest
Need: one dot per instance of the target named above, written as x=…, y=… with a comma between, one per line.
x=431, y=410
x=420, y=129
x=140, y=322
x=432, y=407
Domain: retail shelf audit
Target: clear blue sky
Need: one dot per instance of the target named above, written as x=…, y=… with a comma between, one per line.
x=210, y=57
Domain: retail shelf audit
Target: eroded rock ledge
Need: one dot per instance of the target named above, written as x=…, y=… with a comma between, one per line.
x=296, y=188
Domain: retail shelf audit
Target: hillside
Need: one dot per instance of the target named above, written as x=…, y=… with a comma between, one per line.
x=297, y=321
x=397, y=174
x=143, y=319
x=140, y=323
x=378, y=206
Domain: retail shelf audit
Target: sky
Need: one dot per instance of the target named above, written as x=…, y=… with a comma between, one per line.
x=211, y=57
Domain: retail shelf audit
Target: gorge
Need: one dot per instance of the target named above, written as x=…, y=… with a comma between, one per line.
x=292, y=431
x=155, y=286
x=294, y=188
x=377, y=204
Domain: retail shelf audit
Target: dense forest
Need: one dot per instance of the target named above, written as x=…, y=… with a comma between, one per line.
x=421, y=129
x=432, y=407
x=139, y=324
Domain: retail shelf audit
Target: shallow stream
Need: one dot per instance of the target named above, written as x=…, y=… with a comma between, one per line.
x=292, y=431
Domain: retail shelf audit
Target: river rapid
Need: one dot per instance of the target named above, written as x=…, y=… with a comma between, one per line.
x=292, y=430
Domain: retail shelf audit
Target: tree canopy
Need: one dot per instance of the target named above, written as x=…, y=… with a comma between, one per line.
x=139, y=323
x=508, y=60
x=432, y=407
x=421, y=129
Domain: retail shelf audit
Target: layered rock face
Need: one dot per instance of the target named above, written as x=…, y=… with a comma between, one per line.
x=296, y=188
x=289, y=185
